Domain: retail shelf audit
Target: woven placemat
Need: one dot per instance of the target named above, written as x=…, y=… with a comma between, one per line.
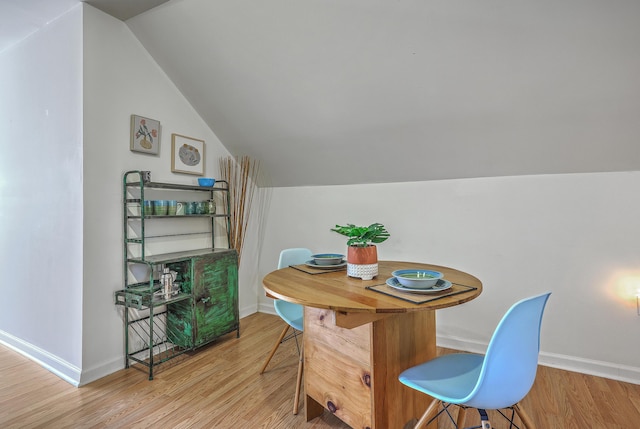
x=455, y=289
x=310, y=270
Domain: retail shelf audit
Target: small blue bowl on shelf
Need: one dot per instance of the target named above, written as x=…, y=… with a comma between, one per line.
x=206, y=182
x=417, y=278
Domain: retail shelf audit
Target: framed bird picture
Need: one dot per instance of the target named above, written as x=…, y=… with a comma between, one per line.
x=145, y=135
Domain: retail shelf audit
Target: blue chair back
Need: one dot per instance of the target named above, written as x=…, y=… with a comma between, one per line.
x=510, y=364
x=294, y=256
x=288, y=311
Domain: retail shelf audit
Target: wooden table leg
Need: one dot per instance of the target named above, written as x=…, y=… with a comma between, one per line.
x=354, y=372
x=398, y=343
x=312, y=408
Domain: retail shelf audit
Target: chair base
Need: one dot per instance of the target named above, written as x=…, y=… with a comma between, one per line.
x=275, y=347
x=280, y=340
x=432, y=413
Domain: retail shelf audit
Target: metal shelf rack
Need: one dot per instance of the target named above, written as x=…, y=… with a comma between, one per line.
x=150, y=321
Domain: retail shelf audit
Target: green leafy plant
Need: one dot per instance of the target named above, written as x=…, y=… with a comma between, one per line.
x=362, y=236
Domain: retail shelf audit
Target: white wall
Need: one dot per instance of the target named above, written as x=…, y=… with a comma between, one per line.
x=120, y=79
x=41, y=195
x=575, y=235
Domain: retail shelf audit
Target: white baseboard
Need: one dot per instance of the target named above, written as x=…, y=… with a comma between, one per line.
x=628, y=374
x=65, y=370
x=266, y=308
x=248, y=310
x=101, y=370
x=61, y=368
x=74, y=376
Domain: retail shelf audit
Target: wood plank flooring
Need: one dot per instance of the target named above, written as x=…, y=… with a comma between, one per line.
x=219, y=387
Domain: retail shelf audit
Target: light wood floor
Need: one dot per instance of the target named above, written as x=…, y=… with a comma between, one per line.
x=219, y=387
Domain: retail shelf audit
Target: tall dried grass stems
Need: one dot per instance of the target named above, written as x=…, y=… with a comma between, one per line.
x=242, y=174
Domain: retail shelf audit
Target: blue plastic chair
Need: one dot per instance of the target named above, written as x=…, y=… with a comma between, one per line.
x=495, y=381
x=292, y=314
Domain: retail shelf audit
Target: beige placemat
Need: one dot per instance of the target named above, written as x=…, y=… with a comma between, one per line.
x=310, y=270
x=416, y=298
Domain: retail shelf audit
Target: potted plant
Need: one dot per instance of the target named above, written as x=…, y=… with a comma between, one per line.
x=362, y=253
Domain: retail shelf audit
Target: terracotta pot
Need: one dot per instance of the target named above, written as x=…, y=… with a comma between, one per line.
x=362, y=255
x=362, y=262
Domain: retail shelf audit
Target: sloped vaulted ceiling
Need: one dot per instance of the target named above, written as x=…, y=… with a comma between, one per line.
x=365, y=91
x=361, y=91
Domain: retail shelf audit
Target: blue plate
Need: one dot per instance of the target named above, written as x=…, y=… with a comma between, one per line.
x=441, y=285
x=312, y=263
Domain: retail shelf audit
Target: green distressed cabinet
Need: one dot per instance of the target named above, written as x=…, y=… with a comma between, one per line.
x=194, y=247
x=212, y=281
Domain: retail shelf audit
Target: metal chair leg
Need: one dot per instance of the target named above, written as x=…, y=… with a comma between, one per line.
x=484, y=419
x=273, y=351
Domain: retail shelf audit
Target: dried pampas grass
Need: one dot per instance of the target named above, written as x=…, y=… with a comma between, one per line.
x=241, y=173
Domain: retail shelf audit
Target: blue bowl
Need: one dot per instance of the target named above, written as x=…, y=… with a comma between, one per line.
x=417, y=278
x=327, y=258
x=206, y=181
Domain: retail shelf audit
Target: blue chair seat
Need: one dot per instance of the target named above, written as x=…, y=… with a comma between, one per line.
x=449, y=378
x=290, y=313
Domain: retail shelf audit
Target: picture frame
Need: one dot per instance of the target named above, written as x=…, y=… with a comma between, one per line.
x=187, y=155
x=145, y=135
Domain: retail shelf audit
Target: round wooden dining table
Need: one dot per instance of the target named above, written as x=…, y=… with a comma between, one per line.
x=359, y=335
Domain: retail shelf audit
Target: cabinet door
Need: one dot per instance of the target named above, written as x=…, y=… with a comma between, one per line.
x=215, y=292
x=180, y=320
